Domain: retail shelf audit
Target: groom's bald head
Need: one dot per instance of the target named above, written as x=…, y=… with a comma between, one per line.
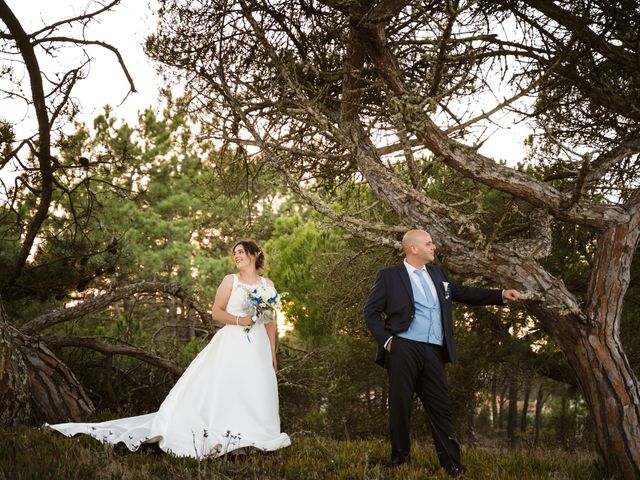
x=412, y=237
x=418, y=247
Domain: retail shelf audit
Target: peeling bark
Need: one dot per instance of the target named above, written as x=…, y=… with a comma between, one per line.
x=35, y=385
x=15, y=404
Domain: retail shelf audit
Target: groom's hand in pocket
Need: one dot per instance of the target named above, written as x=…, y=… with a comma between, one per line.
x=388, y=345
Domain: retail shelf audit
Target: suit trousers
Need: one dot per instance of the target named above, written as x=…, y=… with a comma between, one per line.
x=418, y=368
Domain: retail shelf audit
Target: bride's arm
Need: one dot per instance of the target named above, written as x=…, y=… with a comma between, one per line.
x=272, y=331
x=218, y=311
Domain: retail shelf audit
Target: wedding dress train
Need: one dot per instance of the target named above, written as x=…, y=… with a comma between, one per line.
x=226, y=399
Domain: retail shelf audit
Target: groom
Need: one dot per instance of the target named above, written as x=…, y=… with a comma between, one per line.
x=408, y=311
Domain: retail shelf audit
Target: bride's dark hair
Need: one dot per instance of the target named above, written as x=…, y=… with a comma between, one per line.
x=251, y=247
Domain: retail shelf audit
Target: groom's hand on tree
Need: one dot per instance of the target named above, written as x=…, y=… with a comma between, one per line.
x=510, y=295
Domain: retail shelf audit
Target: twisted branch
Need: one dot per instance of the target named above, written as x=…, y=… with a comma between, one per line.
x=100, y=302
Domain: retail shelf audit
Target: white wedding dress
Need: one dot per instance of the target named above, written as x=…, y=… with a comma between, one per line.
x=226, y=399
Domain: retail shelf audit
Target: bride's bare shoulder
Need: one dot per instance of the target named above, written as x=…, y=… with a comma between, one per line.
x=227, y=281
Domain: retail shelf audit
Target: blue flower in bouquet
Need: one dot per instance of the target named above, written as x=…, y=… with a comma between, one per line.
x=264, y=301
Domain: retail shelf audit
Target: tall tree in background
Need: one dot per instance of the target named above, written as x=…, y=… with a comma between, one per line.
x=335, y=90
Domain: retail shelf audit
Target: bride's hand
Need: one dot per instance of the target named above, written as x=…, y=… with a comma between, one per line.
x=274, y=362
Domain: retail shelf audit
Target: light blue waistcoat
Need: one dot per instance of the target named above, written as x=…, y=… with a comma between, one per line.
x=426, y=325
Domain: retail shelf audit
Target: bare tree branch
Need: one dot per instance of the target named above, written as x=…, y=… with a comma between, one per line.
x=580, y=28
x=108, y=46
x=79, y=19
x=606, y=160
x=352, y=137
x=471, y=163
x=94, y=343
x=102, y=301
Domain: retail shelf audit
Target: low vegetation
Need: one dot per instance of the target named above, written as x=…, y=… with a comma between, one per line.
x=29, y=453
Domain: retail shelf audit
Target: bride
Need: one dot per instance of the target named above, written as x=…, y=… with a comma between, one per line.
x=228, y=396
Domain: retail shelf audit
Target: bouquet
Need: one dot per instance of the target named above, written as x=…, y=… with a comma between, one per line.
x=264, y=301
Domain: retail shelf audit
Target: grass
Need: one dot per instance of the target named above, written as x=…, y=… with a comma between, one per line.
x=29, y=453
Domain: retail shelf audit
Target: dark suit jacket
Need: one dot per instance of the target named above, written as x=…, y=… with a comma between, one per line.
x=390, y=306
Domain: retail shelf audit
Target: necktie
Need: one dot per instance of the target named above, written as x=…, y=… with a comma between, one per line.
x=425, y=286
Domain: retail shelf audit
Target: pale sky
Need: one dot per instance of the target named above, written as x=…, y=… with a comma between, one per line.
x=126, y=28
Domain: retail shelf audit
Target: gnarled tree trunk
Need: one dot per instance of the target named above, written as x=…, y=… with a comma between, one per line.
x=594, y=350
x=611, y=390
x=35, y=385
x=15, y=404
